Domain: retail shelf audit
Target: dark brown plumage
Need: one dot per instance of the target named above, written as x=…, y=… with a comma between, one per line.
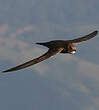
x=56, y=46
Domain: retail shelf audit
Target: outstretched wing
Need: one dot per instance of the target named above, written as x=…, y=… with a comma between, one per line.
x=87, y=37
x=47, y=55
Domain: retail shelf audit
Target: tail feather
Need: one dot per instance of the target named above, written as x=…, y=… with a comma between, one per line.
x=44, y=44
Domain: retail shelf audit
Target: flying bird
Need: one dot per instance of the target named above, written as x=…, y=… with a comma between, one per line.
x=55, y=47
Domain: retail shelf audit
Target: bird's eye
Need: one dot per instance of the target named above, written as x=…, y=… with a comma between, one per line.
x=70, y=48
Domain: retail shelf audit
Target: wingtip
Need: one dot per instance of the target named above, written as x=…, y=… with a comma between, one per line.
x=4, y=71
x=96, y=32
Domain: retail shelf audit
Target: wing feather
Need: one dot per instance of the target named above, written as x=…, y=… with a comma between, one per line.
x=45, y=56
x=87, y=37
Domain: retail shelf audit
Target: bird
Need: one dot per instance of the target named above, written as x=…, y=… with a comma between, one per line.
x=55, y=47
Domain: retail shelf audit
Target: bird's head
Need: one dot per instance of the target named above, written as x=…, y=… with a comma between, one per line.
x=71, y=49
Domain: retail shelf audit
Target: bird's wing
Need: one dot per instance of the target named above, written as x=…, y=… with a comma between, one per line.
x=45, y=56
x=87, y=37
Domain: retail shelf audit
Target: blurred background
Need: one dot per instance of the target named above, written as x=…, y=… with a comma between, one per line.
x=64, y=82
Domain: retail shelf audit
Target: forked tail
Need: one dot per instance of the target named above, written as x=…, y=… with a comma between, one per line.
x=47, y=44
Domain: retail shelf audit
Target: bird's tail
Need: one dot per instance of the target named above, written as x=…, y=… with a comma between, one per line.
x=47, y=44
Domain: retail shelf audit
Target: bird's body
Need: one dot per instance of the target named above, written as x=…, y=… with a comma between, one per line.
x=56, y=46
x=54, y=43
x=59, y=44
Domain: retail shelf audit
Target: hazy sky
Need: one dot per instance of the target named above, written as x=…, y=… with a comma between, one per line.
x=64, y=82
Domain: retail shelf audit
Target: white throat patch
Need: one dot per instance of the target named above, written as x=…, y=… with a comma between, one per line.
x=73, y=52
